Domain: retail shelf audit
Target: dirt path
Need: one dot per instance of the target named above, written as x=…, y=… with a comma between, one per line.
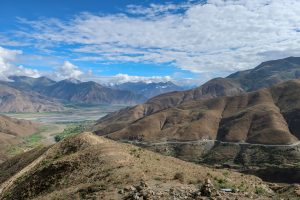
x=11, y=181
x=48, y=139
x=209, y=141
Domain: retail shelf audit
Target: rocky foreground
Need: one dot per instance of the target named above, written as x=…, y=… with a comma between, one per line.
x=87, y=166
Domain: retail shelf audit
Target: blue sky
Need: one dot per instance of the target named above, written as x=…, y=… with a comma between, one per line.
x=188, y=42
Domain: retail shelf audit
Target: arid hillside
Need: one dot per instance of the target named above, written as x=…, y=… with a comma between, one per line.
x=15, y=100
x=87, y=166
x=267, y=116
x=265, y=75
x=11, y=132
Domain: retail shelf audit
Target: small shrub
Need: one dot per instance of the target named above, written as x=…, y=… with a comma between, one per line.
x=259, y=190
x=179, y=176
x=226, y=173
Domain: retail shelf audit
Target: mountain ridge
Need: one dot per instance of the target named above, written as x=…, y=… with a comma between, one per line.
x=14, y=100
x=231, y=86
x=247, y=117
x=74, y=91
x=90, y=166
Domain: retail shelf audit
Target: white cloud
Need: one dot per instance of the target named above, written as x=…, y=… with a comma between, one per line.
x=67, y=70
x=221, y=35
x=123, y=78
x=7, y=68
x=158, y=9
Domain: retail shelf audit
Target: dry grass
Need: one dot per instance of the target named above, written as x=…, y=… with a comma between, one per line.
x=90, y=164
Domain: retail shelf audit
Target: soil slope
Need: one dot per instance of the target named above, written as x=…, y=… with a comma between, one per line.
x=14, y=100
x=265, y=75
x=11, y=132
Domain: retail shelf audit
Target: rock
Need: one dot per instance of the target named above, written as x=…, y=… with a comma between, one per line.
x=132, y=188
x=208, y=189
x=122, y=191
x=143, y=184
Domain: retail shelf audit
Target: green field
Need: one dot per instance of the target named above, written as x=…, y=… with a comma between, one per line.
x=73, y=129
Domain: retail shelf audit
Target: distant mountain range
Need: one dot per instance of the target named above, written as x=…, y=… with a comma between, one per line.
x=26, y=94
x=149, y=89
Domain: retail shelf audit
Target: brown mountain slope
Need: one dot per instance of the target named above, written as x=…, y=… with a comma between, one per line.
x=265, y=75
x=268, y=116
x=11, y=132
x=118, y=120
x=91, y=167
x=13, y=100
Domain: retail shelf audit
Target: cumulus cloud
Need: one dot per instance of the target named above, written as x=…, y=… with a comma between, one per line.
x=219, y=35
x=66, y=71
x=7, y=68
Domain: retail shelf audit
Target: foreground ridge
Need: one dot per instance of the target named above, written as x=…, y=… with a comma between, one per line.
x=89, y=166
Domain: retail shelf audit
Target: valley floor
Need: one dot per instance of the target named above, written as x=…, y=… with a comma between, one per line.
x=53, y=126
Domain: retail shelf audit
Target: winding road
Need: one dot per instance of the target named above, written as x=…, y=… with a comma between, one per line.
x=209, y=141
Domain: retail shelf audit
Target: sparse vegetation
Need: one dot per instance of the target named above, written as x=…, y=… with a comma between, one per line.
x=260, y=190
x=72, y=129
x=29, y=142
x=136, y=152
x=222, y=183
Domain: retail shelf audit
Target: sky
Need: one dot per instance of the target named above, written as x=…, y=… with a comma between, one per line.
x=188, y=42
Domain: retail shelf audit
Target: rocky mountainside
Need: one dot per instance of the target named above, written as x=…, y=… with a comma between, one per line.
x=269, y=73
x=149, y=90
x=91, y=167
x=15, y=100
x=11, y=132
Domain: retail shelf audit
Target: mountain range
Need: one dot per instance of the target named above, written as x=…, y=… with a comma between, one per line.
x=267, y=116
x=248, y=121
x=26, y=94
x=269, y=73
